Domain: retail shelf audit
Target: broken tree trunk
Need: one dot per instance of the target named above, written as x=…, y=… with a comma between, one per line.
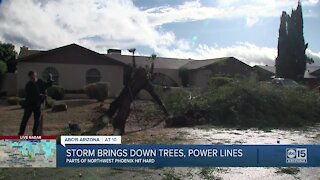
x=121, y=105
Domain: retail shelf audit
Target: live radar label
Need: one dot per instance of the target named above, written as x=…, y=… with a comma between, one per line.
x=27, y=151
x=296, y=155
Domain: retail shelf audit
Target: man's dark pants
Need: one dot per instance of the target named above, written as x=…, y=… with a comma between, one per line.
x=28, y=110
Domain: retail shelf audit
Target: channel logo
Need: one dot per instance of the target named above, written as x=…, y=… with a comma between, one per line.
x=296, y=155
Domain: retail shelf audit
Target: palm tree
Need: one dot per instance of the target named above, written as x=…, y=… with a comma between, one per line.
x=153, y=56
x=132, y=50
x=150, y=71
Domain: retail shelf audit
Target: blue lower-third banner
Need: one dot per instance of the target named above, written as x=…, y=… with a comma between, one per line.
x=116, y=155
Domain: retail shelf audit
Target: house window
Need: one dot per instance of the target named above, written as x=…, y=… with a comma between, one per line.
x=53, y=71
x=92, y=76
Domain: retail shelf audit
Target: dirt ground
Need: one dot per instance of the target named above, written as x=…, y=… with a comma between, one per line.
x=140, y=130
x=83, y=112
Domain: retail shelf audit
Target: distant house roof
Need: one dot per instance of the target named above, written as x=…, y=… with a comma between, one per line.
x=307, y=75
x=316, y=72
x=313, y=69
x=312, y=72
x=142, y=61
x=197, y=64
x=169, y=63
x=75, y=55
x=271, y=69
x=159, y=62
x=27, y=52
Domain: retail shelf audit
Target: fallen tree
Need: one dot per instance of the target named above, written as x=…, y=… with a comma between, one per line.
x=137, y=79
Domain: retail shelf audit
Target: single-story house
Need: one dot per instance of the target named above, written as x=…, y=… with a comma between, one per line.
x=167, y=71
x=74, y=66
x=311, y=75
x=264, y=73
x=199, y=71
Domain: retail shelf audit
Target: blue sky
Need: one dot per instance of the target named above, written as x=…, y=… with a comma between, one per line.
x=197, y=29
x=226, y=32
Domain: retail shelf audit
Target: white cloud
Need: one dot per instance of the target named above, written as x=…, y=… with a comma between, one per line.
x=252, y=20
x=244, y=51
x=310, y=2
x=103, y=24
x=251, y=10
x=247, y=52
x=315, y=56
x=95, y=24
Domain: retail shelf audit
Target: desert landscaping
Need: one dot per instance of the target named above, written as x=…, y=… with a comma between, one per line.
x=145, y=127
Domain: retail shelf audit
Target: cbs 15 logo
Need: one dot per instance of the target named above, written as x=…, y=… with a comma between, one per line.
x=296, y=155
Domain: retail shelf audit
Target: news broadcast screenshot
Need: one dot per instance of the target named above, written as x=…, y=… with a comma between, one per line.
x=159, y=89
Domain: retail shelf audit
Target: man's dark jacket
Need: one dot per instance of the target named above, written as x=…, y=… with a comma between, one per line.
x=35, y=92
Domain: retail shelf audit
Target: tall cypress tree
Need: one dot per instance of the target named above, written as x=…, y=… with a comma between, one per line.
x=283, y=58
x=291, y=60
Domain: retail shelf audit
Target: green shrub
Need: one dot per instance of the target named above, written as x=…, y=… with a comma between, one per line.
x=56, y=92
x=181, y=101
x=22, y=102
x=98, y=91
x=289, y=170
x=50, y=102
x=13, y=100
x=90, y=90
x=159, y=90
x=177, y=102
x=151, y=110
x=59, y=107
x=74, y=91
x=217, y=81
x=248, y=103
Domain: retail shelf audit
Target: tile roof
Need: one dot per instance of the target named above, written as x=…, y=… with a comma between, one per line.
x=159, y=63
x=196, y=64
x=83, y=56
x=142, y=61
x=167, y=63
x=271, y=69
x=312, y=69
x=28, y=53
x=309, y=73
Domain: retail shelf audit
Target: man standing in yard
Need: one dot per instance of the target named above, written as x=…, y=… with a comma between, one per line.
x=35, y=95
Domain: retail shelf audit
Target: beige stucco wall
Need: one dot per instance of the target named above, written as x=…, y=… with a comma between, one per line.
x=199, y=78
x=172, y=73
x=73, y=76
